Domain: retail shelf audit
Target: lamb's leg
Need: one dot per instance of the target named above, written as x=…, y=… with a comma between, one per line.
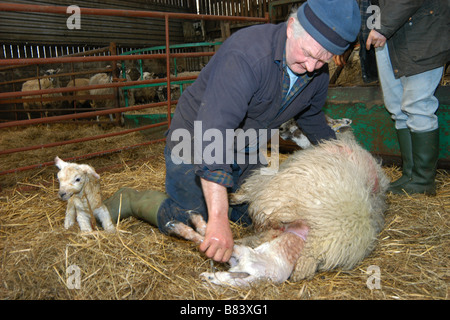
x=273, y=260
x=198, y=222
x=236, y=276
x=84, y=221
x=180, y=229
x=70, y=215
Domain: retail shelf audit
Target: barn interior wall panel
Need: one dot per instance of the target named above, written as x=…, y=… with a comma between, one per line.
x=51, y=29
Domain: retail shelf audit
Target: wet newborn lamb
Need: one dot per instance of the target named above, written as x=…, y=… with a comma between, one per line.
x=79, y=185
x=322, y=210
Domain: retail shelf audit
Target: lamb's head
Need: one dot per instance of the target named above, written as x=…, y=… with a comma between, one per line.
x=339, y=125
x=72, y=177
x=291, y=131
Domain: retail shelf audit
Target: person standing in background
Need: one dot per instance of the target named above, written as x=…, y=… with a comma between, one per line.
x=412, y=46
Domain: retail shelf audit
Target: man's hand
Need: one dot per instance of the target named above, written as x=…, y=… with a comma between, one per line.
x=376, y=39
x=218, y=242
x=339, y=60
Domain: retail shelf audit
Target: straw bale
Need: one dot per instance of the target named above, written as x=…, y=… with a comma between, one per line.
x=139, y=262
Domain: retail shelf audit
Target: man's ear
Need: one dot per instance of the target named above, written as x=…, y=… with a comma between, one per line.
x=290, y=29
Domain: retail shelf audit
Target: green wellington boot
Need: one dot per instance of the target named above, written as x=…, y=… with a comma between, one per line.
x=425, y=151
x=404, y=141
x=143, y=205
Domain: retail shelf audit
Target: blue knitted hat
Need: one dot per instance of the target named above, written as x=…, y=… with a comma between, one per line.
x=332, y=23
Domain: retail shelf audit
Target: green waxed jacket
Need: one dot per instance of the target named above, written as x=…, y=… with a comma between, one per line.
x=417, y=32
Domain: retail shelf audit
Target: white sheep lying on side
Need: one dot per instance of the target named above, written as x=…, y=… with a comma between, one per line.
x=291, y=131
x=79, y=185
x=322, y=210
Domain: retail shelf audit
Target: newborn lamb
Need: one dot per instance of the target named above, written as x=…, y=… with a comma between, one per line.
x=79, y=185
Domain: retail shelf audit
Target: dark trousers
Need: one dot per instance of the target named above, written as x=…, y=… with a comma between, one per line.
x=185, y=193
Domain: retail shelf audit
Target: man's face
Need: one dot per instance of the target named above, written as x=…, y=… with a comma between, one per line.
x=304, y=54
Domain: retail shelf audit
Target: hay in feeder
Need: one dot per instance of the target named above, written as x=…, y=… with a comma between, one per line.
x=39, y=258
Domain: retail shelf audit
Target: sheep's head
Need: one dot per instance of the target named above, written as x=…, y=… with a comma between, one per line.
x=51, y=72
x=72, y=177
x=148, y=76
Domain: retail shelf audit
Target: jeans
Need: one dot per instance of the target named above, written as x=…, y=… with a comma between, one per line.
x=185, y=193
x=410, y=100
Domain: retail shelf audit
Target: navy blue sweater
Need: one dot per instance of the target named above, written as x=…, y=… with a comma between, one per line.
x=241, y=88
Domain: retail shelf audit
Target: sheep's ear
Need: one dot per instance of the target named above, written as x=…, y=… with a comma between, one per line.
x=89, y=170
x=60, y=163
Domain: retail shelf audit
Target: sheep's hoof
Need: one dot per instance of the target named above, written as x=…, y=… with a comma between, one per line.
x=172, y=226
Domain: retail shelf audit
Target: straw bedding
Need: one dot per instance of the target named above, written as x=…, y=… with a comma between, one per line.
x=139, y=262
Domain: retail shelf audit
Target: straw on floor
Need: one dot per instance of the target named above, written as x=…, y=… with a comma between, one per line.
x=39, y=259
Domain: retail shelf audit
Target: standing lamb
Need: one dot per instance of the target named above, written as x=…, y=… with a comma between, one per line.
x=322, y=210
x=79, y=185
x=42, y=84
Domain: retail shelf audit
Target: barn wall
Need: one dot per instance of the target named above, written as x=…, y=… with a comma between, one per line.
x=276, y=10
x=248, y=8
x=28, y=28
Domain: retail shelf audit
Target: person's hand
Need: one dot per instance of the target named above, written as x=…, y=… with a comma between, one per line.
x=376, y=39
x=218, y=242
x=339, y=60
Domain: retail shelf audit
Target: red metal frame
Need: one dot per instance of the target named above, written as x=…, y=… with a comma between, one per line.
x=108, y=12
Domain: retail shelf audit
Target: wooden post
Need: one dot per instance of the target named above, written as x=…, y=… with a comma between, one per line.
x=225, y=29
x=113, y=52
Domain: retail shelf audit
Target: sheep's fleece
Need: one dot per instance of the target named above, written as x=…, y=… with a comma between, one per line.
x=337, y=188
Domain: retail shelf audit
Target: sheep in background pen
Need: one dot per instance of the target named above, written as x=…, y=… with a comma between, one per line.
x=145, y=95
x=322, y=210
x=79, y=185
x=105, y=78
x=42, y=84
x=80, y=82
x=101, y=78
x=129, y=92
x=175, y=89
